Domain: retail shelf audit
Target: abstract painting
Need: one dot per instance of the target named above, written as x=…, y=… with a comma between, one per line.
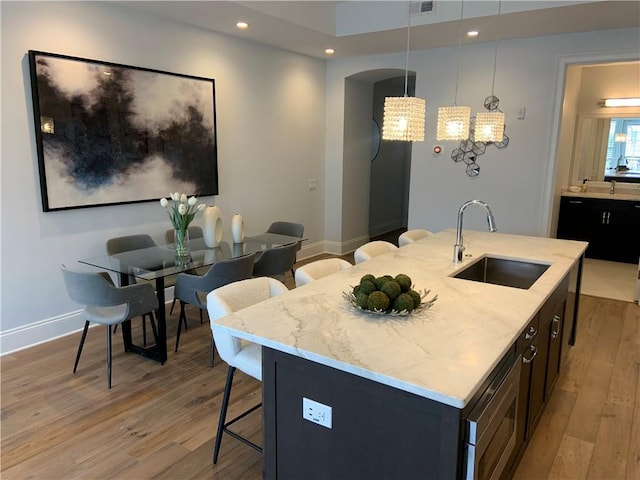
x=109, y=134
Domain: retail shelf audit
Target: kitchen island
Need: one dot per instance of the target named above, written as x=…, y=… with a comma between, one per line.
x=394, y=383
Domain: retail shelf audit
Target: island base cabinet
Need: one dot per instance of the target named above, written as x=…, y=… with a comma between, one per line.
x=377, y=432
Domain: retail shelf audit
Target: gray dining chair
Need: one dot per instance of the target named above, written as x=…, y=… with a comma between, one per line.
x=276, y=261
x=106, y=304
x=126, y=244
x=238, y=354
x=288, y=228
x=193, y=289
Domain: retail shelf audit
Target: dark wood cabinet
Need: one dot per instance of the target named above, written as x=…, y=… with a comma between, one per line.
x=540, y=345
x=537, y=382
x=377, y=431
x=611, y=227
x=555, y=347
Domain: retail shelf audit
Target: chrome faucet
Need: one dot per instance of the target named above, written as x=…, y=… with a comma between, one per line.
x=612, y=187
x=458, y=248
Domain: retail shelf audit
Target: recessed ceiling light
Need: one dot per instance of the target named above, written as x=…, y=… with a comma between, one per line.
x=472, y=33
x=242, y=25
x=329, y=51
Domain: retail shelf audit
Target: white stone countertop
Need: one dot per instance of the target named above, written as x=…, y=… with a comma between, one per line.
x=605, y=195
x=443, y=353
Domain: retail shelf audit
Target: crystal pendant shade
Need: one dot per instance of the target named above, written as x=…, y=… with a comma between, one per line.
x=489, y=127
x=453, y=123
x=404, y=119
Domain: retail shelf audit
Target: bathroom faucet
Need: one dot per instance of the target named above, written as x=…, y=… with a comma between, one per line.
x=458, y=248
x=612, y=188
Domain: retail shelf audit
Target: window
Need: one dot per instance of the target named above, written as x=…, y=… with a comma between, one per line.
x=624, y=153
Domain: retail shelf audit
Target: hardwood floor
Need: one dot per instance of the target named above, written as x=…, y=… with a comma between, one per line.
x=159, y=421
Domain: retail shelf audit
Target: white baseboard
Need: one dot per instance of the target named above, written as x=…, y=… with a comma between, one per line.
x=39, y=332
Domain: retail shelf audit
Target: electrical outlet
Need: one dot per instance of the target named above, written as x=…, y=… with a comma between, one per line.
x=313, y=184
x=316, y=412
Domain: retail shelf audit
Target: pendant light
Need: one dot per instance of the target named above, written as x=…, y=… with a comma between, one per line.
x=490, y=125
x=453, y=122
x=404, y=116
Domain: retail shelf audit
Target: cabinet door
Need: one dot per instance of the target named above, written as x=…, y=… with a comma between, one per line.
x=555, y=347
x=573, y=221
x=538, y=371
x=623, y=224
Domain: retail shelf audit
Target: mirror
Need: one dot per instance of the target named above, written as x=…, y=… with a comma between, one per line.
x=607, y=148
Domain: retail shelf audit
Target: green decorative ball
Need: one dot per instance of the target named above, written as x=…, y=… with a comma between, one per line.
x=404, y=281
x=417, y=299
x=378, y=301
x=392, y=289
x=362, y=300
x=367, y=286
x=379, y=281
x=369, y=277
x=404, y=301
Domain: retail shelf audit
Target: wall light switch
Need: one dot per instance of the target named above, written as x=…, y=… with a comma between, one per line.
x=316, y=412
x=522, y=113
x=313, y=184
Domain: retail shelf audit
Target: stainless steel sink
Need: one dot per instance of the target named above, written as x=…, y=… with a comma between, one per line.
x=501, y=271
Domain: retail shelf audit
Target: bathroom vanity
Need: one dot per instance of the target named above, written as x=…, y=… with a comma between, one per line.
x=607, y=216
x=350, y=394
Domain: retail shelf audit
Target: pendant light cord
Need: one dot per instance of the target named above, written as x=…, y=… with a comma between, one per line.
x=406, y=65
x=495, y=53
x=455, y=95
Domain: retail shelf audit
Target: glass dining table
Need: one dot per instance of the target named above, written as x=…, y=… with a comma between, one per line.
x=159, y=262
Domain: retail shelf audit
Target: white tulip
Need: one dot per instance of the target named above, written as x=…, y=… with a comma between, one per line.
x=175, y=197
x=192, y=201
x=183, y=198
x=164, y=202
x=182, y=209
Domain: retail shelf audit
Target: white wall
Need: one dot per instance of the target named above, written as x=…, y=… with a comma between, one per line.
x=514, y=180
x=270, y=125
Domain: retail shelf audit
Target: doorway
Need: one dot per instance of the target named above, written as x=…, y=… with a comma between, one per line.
x=376, y=173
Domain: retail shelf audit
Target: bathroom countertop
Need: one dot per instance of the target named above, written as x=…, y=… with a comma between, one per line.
x=604, y=195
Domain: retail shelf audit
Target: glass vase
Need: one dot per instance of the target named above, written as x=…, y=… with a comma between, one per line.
x=181, y=243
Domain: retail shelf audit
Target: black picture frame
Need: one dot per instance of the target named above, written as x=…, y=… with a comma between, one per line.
x=109, y=134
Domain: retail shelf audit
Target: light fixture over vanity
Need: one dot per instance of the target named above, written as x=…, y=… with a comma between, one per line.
x=619, y=102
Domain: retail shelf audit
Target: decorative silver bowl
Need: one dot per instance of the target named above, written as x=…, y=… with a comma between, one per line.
x=424, y=304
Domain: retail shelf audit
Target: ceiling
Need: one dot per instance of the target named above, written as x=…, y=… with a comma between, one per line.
x=356, y=28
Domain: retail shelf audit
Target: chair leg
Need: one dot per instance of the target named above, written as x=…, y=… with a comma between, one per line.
x=200, y=316
x=213, y=345
x=223, y=413
x=144, y=330
x=153, y=327
x=84, y=335
x=109, y=355
x=172, y=305
x=182, y=317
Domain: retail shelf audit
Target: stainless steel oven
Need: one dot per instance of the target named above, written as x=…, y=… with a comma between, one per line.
x=490, y=427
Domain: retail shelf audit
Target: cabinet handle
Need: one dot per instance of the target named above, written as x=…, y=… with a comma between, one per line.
x=534, y=352
x=637, y=206
x=580, y=202
x=608, y=216
x=531, y=333
x=604, y=215
x=555, y=326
